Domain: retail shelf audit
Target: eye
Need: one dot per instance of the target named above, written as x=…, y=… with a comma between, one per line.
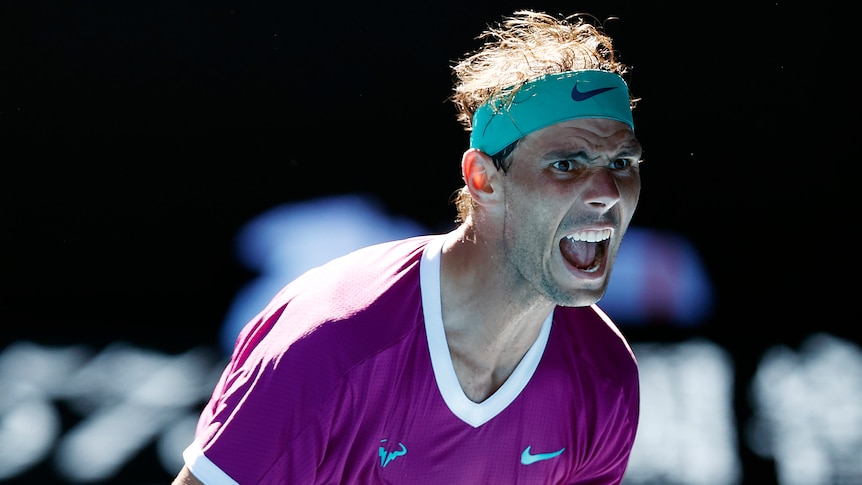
x=564, y=165
x=621, y=163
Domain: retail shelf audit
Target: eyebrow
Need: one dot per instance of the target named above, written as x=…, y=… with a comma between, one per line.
x=580, y=155
x=630, y=150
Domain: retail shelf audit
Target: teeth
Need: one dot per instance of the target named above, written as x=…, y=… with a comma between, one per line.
x=591, y=235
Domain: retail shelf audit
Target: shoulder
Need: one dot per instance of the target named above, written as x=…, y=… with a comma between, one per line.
x=349, y=309
x=378, y=257
x=374, y=290
x=363, y=274
x=594, y=337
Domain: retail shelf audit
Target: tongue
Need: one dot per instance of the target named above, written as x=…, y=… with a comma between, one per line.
x=581, y=254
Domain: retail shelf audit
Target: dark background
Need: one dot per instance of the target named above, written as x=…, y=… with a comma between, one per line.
x=137, y=137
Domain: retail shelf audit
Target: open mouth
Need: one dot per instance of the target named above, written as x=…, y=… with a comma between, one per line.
x=586, y=249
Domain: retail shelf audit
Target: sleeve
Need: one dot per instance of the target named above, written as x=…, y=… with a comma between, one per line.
x=267, y=420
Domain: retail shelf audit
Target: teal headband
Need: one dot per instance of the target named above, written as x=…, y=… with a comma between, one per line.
x=546, y=100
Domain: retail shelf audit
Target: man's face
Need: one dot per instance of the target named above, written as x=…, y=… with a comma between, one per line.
x=570, y=193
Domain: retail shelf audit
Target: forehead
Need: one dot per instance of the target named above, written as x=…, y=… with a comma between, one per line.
x=592, y=135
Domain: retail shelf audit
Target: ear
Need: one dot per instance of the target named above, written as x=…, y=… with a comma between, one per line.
x=480, y=175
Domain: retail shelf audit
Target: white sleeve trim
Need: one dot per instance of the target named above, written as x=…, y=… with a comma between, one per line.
x=203, y=469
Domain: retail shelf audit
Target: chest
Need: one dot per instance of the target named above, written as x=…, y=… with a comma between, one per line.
x=419, y=440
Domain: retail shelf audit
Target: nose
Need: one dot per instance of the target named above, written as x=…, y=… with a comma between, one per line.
x=601, y=191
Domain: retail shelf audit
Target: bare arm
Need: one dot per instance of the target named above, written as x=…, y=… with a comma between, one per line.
x=185, y=477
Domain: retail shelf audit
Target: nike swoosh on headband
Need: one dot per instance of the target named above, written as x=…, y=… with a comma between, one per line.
x=580, y=96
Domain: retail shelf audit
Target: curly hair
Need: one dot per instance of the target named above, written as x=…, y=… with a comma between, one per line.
x=522, y=47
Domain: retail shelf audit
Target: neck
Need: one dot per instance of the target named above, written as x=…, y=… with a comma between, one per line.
x=490, y=322
x=477, y=282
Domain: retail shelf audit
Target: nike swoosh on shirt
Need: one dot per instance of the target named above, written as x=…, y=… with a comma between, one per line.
x=581, y=96
x=528, y=458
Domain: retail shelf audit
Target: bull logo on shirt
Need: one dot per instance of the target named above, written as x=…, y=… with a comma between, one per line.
x=388, y=456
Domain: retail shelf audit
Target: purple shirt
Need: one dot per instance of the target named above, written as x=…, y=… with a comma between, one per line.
x=346, y=378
